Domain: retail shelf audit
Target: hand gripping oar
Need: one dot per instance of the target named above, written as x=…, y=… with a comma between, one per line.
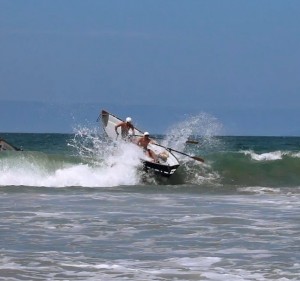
x=193, y=157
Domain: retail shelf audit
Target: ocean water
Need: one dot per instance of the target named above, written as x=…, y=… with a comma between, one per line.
x=79, y=207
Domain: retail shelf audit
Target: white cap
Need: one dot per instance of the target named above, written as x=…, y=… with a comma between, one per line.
x=146, y=134
x=128, y=119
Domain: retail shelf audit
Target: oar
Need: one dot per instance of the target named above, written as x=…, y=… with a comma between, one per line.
x=193, y=157
x=192, y=141
x=180, y=152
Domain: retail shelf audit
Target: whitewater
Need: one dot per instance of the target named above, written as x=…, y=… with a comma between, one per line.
x=80, y=207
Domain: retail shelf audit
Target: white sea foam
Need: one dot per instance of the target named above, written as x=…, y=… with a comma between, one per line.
x=268, y=156
x=296, y=154
x=198, y=262
x=271, y=156
x=120, y=168
x=259, y=190
x=162, y=236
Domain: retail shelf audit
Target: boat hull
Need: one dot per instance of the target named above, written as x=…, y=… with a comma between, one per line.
x=164, y=170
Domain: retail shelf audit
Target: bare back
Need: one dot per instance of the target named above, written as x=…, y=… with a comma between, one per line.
x=125, y=127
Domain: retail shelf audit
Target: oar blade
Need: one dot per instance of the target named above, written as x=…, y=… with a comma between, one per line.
x=192, y=142
x=198, y=159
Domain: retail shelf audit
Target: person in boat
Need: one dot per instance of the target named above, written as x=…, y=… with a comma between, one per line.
x=125, y=127
x=143, y=142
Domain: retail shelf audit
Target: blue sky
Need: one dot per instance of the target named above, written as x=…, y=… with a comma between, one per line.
x=61, y=61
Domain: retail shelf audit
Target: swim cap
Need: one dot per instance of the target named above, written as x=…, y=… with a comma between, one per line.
x=146, y=134
x=128, y=119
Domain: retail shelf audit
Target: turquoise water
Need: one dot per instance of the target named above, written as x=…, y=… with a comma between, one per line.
x=232, y=161
x=78, y=207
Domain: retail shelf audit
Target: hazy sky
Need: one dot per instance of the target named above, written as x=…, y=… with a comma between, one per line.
x=237, y=60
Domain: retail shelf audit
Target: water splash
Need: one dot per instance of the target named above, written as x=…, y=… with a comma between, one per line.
x=95, y=161
x=89, y=144
x=202, y=128
x=120, y=161
x=202, y=125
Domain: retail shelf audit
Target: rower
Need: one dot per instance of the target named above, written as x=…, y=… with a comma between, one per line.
x=143, y=142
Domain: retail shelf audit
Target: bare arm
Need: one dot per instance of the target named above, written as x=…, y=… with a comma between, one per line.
x=117, y=126
x=153, y=141
x=139, y=142
x=132, y=128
